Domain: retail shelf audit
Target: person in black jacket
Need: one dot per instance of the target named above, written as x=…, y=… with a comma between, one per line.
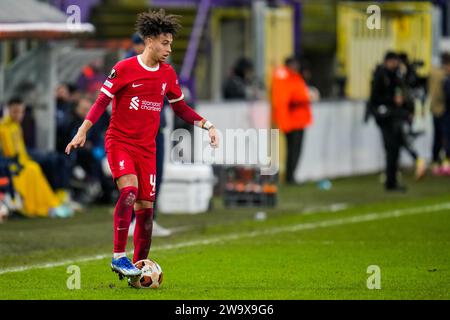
x=388, y=105
x=242, y=84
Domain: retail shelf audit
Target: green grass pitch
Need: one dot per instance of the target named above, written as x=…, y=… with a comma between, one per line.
x=315, y=245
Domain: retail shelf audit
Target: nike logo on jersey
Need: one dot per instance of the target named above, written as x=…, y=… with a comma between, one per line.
x=136, y=85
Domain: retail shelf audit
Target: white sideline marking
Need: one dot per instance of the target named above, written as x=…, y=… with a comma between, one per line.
x=298, y=227
x=334, y=207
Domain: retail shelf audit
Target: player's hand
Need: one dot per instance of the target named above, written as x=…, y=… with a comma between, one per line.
x=78, y=141
x=213, y=137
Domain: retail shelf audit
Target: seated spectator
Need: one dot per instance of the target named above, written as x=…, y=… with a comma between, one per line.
x=64, y=107
x=53, y=164
x=39, y=200
x=87, y=161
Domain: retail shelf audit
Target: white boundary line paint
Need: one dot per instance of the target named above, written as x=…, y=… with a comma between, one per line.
x=235, y=236
x=334, y=207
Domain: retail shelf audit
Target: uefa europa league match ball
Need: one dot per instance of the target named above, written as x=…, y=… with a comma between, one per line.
x=151, y=277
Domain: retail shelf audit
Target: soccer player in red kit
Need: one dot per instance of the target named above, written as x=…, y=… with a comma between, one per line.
x=137, y=86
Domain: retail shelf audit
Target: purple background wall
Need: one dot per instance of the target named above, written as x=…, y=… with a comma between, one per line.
x=196, y=2
x=85, y=6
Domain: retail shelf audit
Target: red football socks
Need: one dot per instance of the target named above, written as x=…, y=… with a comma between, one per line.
x=143, y=234
x=122, y=217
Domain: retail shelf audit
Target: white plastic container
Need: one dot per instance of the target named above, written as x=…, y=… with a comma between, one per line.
x=186, y=188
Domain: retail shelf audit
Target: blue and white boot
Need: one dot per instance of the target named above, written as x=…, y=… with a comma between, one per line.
x=124, y=268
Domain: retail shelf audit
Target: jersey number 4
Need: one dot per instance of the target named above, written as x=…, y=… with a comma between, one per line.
x=153, y=184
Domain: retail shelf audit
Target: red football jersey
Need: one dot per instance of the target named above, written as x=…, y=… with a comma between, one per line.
x=138, y=93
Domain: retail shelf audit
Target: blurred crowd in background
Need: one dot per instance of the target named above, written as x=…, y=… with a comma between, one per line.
x=72, y=181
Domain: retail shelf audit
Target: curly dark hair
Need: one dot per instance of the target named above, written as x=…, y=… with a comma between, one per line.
x=154, y=23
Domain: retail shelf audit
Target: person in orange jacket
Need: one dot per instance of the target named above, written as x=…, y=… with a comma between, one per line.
x=291, y=110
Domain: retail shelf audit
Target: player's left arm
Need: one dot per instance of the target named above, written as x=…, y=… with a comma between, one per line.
x=185, y=112
x=188, y=114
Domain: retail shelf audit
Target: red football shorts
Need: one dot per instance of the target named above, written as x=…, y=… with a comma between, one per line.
x=123, y=160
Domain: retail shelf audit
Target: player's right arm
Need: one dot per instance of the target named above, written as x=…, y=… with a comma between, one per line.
x=92, y=117
x=110, y=87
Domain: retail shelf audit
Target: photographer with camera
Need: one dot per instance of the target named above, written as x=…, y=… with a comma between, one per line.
x=388, y=105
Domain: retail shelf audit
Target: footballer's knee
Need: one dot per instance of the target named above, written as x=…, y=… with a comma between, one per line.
x=128, y=180
x=143, y=204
